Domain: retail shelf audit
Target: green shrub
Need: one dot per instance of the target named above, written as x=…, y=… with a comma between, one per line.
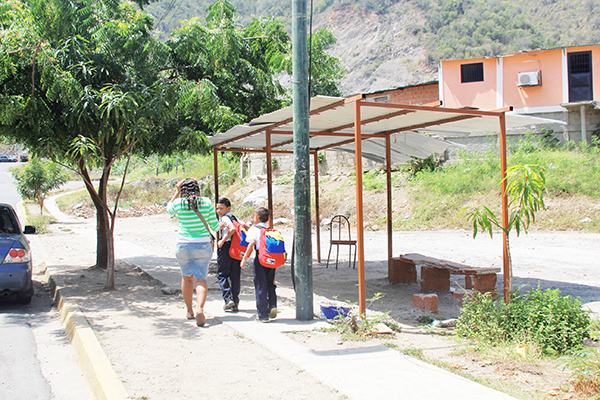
x=555, y=322
x=374, y=180
x=428, y=164
x=321, y=159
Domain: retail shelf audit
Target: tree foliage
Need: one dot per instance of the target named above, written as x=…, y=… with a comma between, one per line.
x=81, y=83
x=229, y=68
x=239, y=64
x=37, y=178
x=326, y=72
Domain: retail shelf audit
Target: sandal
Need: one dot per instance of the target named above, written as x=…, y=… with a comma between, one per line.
x=200, y=319
x=189, y=315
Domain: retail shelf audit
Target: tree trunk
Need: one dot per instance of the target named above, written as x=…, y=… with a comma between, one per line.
x=110, y=258
x=108, y=241
x=105, y=220
x=101, y=237
x=102, y=220
x=510, y=271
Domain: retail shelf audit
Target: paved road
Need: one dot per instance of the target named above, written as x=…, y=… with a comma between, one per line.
x=37, y=359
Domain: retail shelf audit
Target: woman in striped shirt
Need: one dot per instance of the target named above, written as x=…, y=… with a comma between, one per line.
x=194, y=249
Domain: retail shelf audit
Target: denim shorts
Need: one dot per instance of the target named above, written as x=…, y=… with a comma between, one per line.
x=193, y=259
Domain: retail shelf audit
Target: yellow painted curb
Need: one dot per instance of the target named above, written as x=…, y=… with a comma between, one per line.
x=99, y=375
x=101, y=379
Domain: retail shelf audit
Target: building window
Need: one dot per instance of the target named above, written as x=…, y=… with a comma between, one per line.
x=471, y=72
x=580, y=63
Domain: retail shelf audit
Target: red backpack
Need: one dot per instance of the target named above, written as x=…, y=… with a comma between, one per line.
x=239, y=241
x=271, y=248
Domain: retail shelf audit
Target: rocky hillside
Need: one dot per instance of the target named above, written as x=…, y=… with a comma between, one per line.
x=377, y=50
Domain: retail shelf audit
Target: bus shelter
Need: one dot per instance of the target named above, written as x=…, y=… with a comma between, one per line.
x=385, y=132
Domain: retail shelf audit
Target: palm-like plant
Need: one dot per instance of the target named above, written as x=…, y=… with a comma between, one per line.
x=525, y=189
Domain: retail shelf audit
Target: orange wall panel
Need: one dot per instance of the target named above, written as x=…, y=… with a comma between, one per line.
x=550, y=91
x=471, y=94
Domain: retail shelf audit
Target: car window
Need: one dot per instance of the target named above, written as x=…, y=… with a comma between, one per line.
x=6, y=222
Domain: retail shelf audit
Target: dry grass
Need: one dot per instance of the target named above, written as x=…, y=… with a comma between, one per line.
x=431, y=201
x=577, y=212
x=411, y=210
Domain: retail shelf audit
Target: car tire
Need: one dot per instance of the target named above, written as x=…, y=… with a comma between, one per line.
x=24, y=299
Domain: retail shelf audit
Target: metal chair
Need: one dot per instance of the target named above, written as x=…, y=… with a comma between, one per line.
x=339, y=235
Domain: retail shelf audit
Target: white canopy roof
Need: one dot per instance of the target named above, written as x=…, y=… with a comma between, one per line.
x=332, y=128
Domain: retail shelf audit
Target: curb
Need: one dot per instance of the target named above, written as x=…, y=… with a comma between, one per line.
x=100, y=377
x=98, y=373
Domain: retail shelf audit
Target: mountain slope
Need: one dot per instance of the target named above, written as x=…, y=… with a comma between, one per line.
x=377, y=50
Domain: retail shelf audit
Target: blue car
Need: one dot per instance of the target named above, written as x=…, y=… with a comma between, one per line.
x=15, y=257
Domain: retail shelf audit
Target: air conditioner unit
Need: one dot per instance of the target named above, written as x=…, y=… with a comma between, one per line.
x=530, y=78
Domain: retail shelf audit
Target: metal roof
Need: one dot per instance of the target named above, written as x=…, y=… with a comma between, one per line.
x=332, y=122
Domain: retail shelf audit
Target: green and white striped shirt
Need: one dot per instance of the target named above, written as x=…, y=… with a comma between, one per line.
x=191, y=227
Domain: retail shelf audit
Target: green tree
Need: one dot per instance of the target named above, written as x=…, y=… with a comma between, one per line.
x=82, y=83
x=231, y=64
x=37, y=178
x=525, y=187
x=239, y=65
x=326, y=71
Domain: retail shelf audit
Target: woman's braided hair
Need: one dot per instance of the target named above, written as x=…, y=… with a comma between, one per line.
x=190, y=190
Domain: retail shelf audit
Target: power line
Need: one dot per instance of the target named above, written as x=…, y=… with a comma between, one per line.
x=169, y=8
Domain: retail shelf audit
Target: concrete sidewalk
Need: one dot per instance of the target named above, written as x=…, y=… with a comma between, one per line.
x=365, y=373
x=375, y=372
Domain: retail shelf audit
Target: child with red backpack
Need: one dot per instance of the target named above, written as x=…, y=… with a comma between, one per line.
x=228, y=271
x=264, y=265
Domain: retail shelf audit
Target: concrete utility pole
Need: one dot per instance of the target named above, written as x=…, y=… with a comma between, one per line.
x=302, y=220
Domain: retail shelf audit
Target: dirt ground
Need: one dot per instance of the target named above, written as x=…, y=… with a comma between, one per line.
x=143, y=330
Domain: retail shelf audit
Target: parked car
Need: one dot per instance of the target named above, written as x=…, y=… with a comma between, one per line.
x=24, y=157
x=8, y=159
x=15, y=256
